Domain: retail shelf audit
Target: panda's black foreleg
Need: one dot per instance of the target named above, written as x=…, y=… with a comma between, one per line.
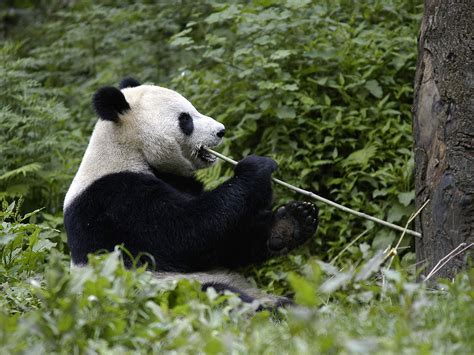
x=269, y=234
x=233, y=226
x=226, y=227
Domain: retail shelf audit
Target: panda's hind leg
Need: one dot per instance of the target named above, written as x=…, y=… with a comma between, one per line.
x=224, y=280
x=221, y=287
x=293, y=224
x=236, y=283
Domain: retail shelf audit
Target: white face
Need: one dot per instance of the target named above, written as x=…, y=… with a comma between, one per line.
x=168, y=129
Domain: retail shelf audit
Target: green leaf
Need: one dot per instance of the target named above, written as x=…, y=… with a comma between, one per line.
x=305, y=294
x=23, y=170
x=280, y=54
x=406, y=198
x=397, y=212
x=374, y=88
x=290, y=87
x=383, y=239
x=285, y=112
x=296, y=4
x=181, y=42
x=43, y=244
x=227, y=14
x=360, y=157
x=336, y=282
x=371, y=266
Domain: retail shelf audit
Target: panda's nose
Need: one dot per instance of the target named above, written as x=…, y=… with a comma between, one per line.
x=221, y=133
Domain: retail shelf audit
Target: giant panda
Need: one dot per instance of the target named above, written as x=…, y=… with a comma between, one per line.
x=135, y=187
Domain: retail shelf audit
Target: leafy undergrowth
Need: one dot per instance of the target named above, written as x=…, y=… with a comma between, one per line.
x=46, y=308
x=324, y=87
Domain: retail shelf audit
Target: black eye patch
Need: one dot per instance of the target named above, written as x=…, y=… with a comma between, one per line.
x=186, y=123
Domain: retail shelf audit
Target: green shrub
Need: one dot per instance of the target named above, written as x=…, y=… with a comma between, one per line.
x=324, y=88
x=36, y=144
x=105, y=308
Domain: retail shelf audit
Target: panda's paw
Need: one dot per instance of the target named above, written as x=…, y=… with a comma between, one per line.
x=254, y=164
x=294, y=223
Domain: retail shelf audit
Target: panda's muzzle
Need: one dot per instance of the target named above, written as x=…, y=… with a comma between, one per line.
x=206, y=156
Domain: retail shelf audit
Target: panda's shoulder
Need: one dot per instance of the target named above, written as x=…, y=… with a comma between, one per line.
x=134, y=188
x=186, y=184
x=135, y=185
x=127, y=185
x=111, y=194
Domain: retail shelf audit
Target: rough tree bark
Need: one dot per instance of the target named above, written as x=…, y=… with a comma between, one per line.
x=443, y=128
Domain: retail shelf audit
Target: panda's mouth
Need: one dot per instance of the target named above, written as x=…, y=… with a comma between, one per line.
x=205, y=156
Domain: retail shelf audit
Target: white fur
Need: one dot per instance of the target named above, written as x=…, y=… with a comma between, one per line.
x=146, y=135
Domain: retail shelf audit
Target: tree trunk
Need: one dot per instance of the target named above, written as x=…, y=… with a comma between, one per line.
x=443, y=128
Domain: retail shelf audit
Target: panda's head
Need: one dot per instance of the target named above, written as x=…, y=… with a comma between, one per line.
x=158, y=123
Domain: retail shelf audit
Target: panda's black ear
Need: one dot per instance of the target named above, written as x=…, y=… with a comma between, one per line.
x=109, y=103
x=129, y=83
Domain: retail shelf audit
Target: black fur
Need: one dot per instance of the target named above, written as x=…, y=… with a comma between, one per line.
x=109, y=103
x=186, y=123
x=129, y=83
x=184, y=228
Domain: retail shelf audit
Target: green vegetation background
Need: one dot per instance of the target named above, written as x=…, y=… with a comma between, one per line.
x=323, y=87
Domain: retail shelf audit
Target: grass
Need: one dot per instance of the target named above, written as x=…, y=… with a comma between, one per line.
x=105, y=308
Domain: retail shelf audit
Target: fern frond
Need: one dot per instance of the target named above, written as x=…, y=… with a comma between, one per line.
x=22, y=170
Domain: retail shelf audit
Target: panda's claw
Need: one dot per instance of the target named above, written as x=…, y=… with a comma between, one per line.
x=294, y=224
